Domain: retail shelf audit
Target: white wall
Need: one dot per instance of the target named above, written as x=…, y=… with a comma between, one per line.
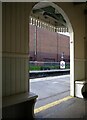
x=76, y=16
x=15, y=44
x=15, y=48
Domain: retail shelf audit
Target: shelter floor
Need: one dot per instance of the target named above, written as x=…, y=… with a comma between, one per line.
x=72, y=108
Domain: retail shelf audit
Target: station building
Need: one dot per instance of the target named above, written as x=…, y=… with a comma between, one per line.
x=47, y=45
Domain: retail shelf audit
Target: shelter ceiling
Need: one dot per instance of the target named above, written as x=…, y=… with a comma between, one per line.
x=49, y=14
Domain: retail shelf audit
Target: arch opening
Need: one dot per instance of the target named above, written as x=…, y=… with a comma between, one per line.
x=61, y=25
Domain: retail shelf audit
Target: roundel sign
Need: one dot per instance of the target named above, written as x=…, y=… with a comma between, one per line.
x=62, y=64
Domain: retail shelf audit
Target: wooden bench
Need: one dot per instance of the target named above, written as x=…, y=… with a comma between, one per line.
x=20, y=106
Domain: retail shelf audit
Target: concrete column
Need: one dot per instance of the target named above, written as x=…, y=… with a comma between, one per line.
x=15, y=48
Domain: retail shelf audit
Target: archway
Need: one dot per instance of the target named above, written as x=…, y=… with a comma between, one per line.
x=70, y=30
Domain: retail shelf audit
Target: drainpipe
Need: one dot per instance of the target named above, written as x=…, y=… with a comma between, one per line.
x=57, y=47
x=35, y=43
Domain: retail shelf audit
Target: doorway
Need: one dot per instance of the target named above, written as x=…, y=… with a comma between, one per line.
x=45, y=9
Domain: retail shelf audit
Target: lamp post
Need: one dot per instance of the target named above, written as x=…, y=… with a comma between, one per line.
x=62, y=62
x=62, y=56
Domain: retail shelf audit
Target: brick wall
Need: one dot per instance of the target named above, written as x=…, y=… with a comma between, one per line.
x=49, y=45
